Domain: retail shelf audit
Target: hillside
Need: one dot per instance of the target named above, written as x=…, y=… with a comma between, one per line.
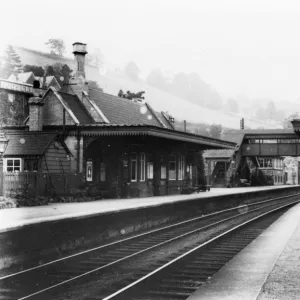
x=115, y=80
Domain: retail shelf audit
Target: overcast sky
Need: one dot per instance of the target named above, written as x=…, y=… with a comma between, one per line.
x=239, y=47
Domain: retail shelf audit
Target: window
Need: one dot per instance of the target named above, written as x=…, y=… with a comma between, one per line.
x=89, y=170
x=189, y=171
x=142, y=166
x=163, y=172
x=13, y=165
x=149, y=167
x=172, y=167
x=133, y=167
x=102, y=172
x=181, y=168
x=150, y=170
x=11, y=97
x=30, y=165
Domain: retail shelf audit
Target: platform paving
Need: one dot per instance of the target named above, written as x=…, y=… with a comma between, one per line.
x=268, y=268
x=17, y=217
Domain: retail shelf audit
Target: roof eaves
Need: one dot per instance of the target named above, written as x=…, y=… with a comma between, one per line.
x=167, y=119
x=155, y=116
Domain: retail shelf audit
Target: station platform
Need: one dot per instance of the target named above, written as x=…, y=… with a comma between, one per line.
x=268, y=268
x=18, y=217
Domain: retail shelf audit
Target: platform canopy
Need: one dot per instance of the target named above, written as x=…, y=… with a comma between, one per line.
x=141, y=130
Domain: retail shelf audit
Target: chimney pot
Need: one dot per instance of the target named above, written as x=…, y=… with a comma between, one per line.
x=79, y=48
x=78, y=83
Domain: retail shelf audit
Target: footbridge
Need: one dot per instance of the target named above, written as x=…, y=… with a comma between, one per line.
x=277, y=142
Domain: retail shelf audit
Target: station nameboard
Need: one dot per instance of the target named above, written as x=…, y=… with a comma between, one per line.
x=18, y=87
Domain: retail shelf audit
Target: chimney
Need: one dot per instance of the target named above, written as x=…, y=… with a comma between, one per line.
x=79, y=51
x=78, y=83
x=35, y=109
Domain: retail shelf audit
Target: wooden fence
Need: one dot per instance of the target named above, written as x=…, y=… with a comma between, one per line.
x=32, y=184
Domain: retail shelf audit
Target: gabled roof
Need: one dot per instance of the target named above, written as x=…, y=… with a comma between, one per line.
x=73, y=106
x=26, y=77
x=164, y=119
x=123, y=111
x=77, y=108
x=50, y=80
x=23, y=143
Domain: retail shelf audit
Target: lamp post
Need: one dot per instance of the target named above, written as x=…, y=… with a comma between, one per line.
x=3, y=144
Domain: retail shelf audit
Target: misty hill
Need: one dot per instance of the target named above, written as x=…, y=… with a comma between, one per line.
x=115, y=80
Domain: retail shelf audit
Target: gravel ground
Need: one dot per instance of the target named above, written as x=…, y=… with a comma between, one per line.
x=128, y=269
x=283, y=282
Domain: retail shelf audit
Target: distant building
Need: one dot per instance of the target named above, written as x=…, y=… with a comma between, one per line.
x=14, y=97
x=29, y=77
x=273, y=167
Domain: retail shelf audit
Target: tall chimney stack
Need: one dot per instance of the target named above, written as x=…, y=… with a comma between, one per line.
x=36, y=109
x=78, y=83
x=79, y=51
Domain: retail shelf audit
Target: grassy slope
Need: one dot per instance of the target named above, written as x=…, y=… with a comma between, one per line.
x=112, y=82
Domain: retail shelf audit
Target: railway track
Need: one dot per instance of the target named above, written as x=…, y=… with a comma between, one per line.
x=42, y=281
x=182, y=276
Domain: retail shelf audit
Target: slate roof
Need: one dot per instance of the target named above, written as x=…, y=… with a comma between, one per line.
x=123, y=111
x=235, y=136
x=77, y=107
x=49, y=80
x=21, y=77
x=222, y=153
x=163, y=120
x=36, y=143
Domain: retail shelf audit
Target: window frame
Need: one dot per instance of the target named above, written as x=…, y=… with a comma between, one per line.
x=181, y=169
x=102, y=171
x=5, y=165
x=172, y=160
x=142, y=166
x=135, y=160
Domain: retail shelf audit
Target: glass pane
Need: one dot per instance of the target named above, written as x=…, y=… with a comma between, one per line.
x=150, y=170
x=10, y=162
x=17, y=163
x=163, y=172
x=133, y=170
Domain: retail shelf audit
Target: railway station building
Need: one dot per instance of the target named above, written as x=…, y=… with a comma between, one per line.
x=120, y=147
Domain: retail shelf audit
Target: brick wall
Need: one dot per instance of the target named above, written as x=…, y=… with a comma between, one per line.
x=35, y=120
x=53, y=112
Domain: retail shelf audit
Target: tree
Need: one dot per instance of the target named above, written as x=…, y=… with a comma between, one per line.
x=271, y=109
x=57, y=46
x=131, y=96
x=11, y=62
x=215, y=130
x=61, y=72
x=232, y=105
x=156, y=78
x=95, y=58
x=287, y=121
x=132, y=70
x=94, y=85
x=36, y=70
